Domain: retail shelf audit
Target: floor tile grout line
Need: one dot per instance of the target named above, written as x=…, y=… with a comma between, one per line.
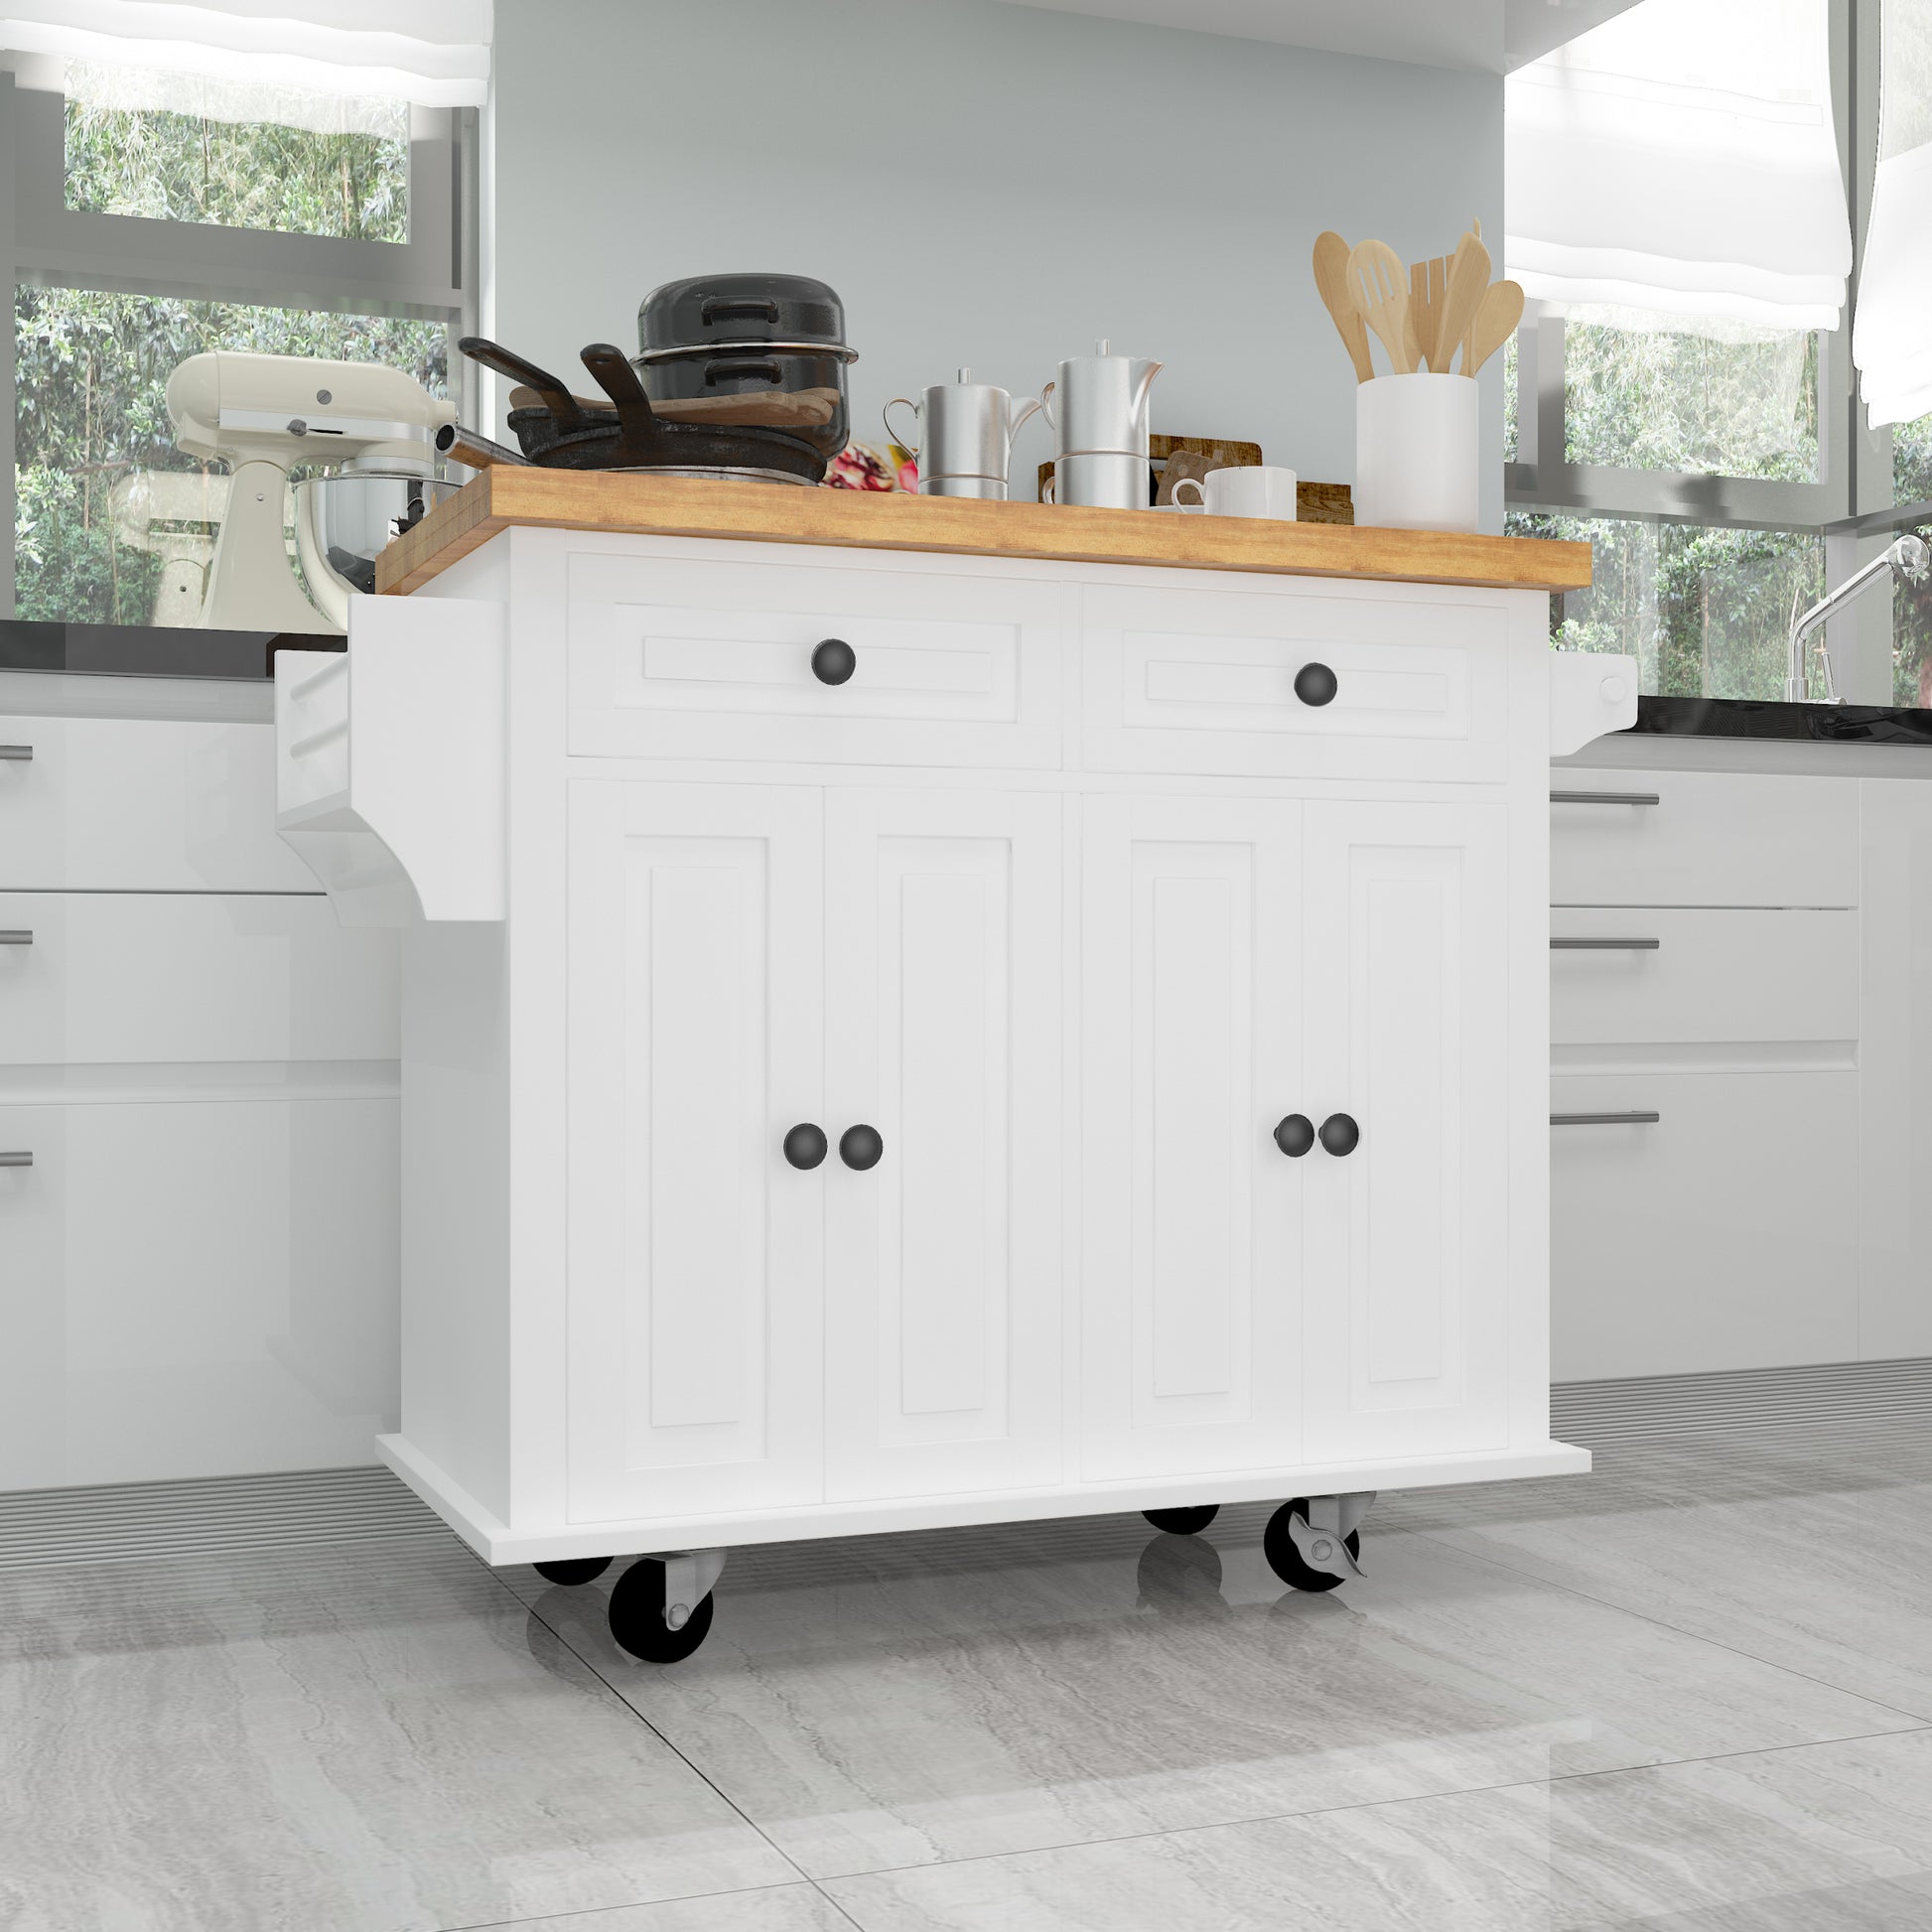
x=1917, y=1720
x=839, y=1907
x=629, y=1905
x=696, y=1771
x=1371, y=1804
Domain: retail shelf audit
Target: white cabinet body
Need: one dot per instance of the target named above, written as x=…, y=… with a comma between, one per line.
x=1039, y=926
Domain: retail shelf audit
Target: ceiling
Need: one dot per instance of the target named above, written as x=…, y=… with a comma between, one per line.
x=1489, y=36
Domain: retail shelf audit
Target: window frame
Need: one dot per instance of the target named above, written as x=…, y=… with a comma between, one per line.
x=44, y=243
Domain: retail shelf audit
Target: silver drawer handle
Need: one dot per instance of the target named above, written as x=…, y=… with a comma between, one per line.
x=16, y=1159
x=21, y=751
x=1636, y=1118
x=1606, y=799
x=1605, y=945
x=18, y=936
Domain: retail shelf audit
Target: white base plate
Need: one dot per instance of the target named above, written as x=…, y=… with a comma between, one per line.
x=546, y=1541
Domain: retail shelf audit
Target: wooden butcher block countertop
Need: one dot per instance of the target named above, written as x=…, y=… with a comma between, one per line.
x=682, y=506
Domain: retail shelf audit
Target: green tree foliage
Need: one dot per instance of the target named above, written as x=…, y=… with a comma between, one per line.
x=1704, y=610
x=183, y=168
x=90, y=377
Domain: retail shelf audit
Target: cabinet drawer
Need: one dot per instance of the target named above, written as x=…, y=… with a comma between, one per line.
x=125, y=804
x=195, y=1289
x=156, y=977
x=1204, y=681
x=1719, y=1236
x=696, y=660
x=1714, y=974
x=1711, y=838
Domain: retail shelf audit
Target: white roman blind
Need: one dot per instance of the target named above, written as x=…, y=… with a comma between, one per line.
x=1891, y=341
x=1681, y=158
x=256, y=60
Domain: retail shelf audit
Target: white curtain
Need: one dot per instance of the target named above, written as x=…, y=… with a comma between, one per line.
x=1891, y=341
x=1680, y=159
x=322, y=63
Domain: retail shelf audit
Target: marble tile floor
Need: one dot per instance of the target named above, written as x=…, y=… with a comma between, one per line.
x=1691, y=1693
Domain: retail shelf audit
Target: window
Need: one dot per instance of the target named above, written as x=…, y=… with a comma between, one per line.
x=247, y=191
x=1708, y=460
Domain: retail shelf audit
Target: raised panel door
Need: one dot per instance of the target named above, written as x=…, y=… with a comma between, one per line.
x=943, y=996
x=1190, y=1320
x=1406, y=978
x=695, y=1025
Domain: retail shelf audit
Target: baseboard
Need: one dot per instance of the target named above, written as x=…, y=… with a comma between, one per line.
x=213, y=1516
x=1813, y=1396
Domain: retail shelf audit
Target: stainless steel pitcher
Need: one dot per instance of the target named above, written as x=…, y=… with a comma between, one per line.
x=966, y=436
x=1098, y=403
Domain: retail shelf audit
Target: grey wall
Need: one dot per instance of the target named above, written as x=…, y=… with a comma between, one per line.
x=984, y=183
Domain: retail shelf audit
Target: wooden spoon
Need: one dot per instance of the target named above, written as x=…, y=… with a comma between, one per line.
x=1496, y=317
x=1331, y=282
x=1376, y=276
x=1468, y=277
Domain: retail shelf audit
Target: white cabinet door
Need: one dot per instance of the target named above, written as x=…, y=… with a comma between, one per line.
x=196, y=1288
x=1406, y=1020
x=942, y=1274
x=695, y=1025
x=1191, y=1337
x=1718, y=1236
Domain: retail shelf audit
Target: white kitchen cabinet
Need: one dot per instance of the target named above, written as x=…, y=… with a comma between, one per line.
x=195, y=1284
x=190, y=976
x=1714, y=1237
x=141, y=805
x=865, y=1115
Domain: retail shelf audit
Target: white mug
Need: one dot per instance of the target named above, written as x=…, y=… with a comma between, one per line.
x=1247, y=489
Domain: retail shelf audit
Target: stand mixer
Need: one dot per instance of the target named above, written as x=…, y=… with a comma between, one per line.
x=263, y=415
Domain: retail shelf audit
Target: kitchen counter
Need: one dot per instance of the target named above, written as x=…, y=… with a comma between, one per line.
x=674, y=506
x=1818, y=723
x=148, y=650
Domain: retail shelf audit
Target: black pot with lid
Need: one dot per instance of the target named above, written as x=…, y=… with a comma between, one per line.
x=734, y=340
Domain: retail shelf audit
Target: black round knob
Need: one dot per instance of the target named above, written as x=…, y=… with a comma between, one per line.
x=805, y=1145
x=1339, y=1133
x=1294, y=1135
x=1315, y=684
x=861, y=1147
x=834, y=660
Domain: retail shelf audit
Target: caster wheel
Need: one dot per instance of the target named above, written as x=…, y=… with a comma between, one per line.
x=573, y=1570
x=1189, y=1521
x=1285, y=1560
x=637, y=1617
x=1177, y=1576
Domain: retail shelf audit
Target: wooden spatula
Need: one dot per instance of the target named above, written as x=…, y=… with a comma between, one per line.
x=1379, y=283
x=1468, y=277
x=1331, y=282
x=1496, y=317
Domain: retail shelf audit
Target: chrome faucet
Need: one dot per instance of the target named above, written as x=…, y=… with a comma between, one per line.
x=1907, y=556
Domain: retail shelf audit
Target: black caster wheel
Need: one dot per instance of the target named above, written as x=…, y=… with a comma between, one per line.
x=637, y=1617
x=1285, y=1560
x=1189, y=1521
x=573, y=1570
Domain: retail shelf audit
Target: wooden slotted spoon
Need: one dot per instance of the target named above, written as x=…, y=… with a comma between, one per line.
x=1379, y=282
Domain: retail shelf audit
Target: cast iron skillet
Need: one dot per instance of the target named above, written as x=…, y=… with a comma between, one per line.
x=560, y=434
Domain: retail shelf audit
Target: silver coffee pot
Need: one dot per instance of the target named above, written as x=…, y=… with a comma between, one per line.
x=966, y=436
x=1098, y=407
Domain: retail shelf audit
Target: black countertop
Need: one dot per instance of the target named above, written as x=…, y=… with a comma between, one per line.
x=154, y=650
x=1828, y=723
x=149, y=650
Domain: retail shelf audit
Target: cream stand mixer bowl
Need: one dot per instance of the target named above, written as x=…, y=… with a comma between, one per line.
x=265, y=414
